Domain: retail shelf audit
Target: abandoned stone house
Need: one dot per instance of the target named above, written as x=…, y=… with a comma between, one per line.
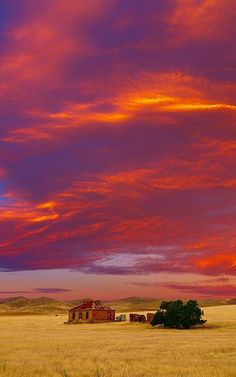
x=91, y=312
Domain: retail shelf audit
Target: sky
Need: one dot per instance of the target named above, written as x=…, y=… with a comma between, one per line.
x=118, y=148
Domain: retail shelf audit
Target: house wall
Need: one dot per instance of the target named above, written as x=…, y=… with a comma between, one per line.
x=104, y=315
x=80, y=313
x=93, y=315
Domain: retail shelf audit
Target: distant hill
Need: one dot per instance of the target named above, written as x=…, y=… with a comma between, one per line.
x=134, y=304
x=41, y=305
x=44, y=305
x=142, y=304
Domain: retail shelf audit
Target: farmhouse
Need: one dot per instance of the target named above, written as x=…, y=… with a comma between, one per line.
x=91, y=312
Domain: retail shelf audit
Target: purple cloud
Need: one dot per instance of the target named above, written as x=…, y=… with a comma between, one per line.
x=117, y=137
x=52, y=290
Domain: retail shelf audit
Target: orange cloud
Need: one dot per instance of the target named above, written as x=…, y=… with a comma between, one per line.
x=224, y=261
x=20, y=209
x=157, y=96
x=45, y=218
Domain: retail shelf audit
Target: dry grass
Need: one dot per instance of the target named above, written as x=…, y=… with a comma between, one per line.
x=34, y=346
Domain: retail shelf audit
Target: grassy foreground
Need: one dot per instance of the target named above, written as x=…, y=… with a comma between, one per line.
x=43, y=346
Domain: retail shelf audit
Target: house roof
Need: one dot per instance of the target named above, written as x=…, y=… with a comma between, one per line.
x=91, y=305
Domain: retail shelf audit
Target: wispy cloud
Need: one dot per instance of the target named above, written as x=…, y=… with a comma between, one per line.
x=14, y=292
x=52, y=290
x=216, y=287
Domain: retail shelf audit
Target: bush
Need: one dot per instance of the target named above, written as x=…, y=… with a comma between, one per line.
x=176, y=314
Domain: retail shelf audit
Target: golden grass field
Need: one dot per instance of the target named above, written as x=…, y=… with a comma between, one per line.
x=33, y=346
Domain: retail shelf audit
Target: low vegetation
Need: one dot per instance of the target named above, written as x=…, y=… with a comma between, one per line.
x=42, y=346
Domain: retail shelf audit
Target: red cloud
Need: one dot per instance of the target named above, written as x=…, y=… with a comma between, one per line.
x=116, y=143
x=209, y=20
x=206, y=288
x=224, y=290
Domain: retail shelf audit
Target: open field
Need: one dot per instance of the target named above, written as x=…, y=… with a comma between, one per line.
x=42, y=346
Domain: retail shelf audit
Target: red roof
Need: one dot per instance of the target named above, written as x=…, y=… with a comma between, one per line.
x=91, y=305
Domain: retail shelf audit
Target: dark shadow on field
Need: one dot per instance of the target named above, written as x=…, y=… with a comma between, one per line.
x=197, y=328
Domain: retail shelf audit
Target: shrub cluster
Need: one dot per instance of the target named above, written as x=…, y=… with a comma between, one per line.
x=179, y=315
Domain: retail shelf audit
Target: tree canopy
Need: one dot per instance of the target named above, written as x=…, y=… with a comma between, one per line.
x=179, y=315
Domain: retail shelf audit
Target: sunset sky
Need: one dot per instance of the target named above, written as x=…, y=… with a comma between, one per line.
x=118, y=148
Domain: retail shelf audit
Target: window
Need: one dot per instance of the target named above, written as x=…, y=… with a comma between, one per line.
x=73, y=315
x=87, y=315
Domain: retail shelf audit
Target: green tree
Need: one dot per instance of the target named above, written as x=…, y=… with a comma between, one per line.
x=179, y=315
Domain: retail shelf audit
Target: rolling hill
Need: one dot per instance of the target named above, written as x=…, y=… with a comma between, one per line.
x=145, y=304
x=44, y=305
x=41, y=305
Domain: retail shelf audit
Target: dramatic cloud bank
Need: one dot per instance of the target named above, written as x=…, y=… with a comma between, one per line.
x=118, y=138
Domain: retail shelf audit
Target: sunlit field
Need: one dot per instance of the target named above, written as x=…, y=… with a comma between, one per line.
x=44, y=346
